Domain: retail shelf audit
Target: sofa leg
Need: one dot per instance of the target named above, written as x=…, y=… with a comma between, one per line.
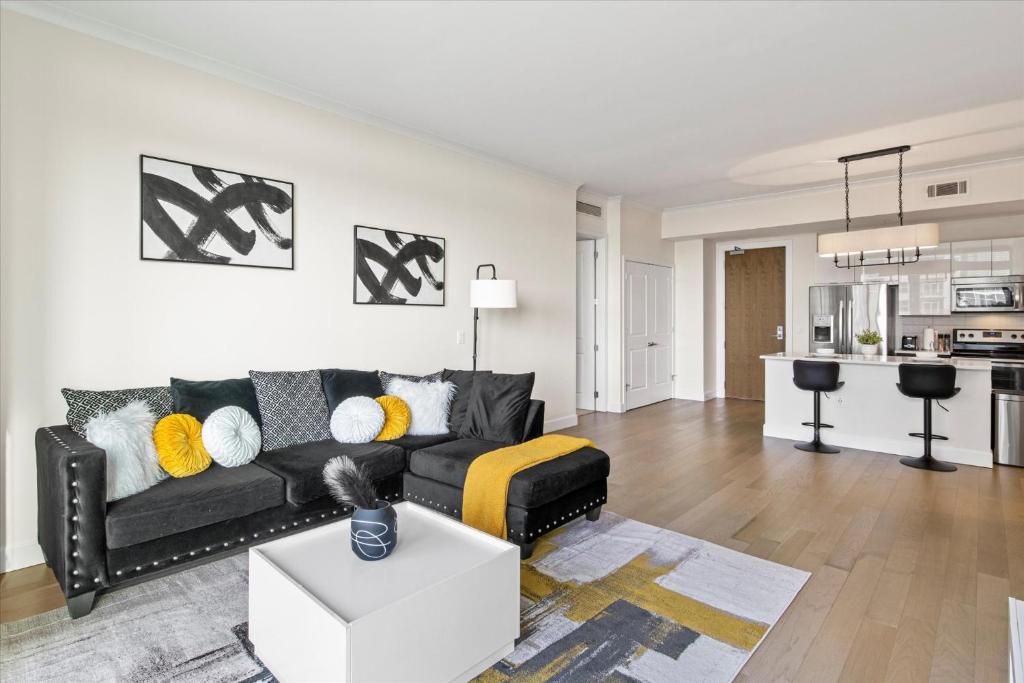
x=81, y=604
x=526, y=550
x=594, y=515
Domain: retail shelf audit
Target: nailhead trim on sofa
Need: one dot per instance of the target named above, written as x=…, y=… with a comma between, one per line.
x=597, y=502
x=344, y=510
x=71, y=564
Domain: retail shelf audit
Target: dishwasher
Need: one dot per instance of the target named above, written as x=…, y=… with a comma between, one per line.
x=1008, y=414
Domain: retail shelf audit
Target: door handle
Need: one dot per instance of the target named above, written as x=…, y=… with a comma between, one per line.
x=779, y=333
x=652, y=343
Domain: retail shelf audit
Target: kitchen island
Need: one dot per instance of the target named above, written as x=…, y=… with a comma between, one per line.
x=870, y=413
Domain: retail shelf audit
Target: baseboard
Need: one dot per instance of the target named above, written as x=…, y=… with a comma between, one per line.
x=20, y=556
x=710, y=395
x=557, y=423
x=863, y=442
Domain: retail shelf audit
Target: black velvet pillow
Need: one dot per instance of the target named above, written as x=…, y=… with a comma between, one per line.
x=497, y=407
x=199, y=399
x=342, y=384
x=463, y=381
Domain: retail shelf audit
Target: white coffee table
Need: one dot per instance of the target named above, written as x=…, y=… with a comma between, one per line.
x=443, y=607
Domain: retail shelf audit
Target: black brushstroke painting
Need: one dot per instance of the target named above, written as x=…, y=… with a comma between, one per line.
x=208, y=215
x=394, y=267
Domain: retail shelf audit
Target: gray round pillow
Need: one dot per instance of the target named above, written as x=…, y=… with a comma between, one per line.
x=231, y=436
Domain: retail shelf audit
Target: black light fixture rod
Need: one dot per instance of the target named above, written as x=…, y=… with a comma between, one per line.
x=871, y=155
x=476, y=311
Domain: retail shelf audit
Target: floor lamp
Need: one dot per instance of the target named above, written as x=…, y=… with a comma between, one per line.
x=493, y=293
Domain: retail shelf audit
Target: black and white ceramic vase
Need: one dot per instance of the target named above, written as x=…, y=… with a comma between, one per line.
x=374, y=531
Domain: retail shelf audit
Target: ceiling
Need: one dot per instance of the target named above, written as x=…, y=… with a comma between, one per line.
x=667, y=103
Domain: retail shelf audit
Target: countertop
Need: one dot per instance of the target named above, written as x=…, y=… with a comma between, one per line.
x=888, y=361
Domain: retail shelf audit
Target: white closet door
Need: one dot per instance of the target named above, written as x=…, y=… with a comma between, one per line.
x=647, y=312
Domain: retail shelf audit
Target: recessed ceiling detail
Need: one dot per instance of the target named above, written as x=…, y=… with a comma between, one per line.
x=669, y=104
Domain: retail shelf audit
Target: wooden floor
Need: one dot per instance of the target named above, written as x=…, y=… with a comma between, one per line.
x=911, y=569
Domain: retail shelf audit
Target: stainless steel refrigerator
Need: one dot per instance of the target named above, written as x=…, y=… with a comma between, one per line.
x=839, y=312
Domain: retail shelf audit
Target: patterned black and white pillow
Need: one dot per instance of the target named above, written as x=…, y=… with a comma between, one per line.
x=85, y=404
x=293, y=407
x=386, y=377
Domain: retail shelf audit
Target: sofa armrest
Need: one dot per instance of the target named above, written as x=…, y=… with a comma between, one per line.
x=71, y=483
x=534, y=420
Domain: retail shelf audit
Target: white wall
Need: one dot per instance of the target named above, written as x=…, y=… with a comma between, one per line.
x=691, y=327
x=80, y=309
x=594, y=227
x=641, y=236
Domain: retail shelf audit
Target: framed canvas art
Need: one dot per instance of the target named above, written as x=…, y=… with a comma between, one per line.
x=200, y=214
x=393, y=267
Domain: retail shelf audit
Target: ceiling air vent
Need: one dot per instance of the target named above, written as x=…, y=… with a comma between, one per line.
x=947, y=189
x=583, y=207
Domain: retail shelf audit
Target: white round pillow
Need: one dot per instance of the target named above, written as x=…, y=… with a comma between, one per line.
x=231, y=436
x=357, y=420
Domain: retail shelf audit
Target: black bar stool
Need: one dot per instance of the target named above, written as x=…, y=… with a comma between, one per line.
x=931, y=383
x=816, y=376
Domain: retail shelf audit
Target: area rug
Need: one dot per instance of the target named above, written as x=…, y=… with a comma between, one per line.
x=608, y=600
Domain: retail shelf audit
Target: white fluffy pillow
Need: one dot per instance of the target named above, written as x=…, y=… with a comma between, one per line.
x=126, y=434
x=231, y=436
x=429, y=403
x=357, y=420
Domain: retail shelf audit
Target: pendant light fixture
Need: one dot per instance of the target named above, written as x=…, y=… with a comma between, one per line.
x=899, y=245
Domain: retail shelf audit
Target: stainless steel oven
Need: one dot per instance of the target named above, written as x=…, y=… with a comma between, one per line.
x=988, y=294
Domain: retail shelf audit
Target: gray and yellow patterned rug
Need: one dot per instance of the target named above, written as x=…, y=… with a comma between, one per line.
x=607, y=600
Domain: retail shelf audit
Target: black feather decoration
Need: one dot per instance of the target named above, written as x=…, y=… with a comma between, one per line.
x=348, y=484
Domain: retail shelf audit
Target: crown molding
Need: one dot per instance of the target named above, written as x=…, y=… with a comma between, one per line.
x=80, y=23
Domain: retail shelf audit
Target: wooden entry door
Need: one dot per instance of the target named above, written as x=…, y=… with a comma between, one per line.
x=755, y=316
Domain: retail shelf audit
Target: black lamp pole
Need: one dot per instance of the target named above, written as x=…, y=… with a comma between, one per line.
x=476, y=311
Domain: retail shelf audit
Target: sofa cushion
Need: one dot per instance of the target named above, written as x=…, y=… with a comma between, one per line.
x=498, y=405
x=463, y=381
x=302, y=466
x=176, y=505
x=292, y=406
x=412, y=442
x=84, y=404
x=342, y=384
x=201, y=398
x=449, y=462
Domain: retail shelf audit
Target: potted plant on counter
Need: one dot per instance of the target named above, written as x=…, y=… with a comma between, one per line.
x=869, y=341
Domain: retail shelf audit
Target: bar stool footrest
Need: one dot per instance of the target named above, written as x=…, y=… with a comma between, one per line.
x=937, y=437
x=820, y=426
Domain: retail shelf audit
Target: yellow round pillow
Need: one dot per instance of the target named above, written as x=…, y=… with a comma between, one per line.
x=179, y=445
x=397, y=417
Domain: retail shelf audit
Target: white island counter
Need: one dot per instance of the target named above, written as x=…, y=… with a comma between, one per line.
x=870, y=413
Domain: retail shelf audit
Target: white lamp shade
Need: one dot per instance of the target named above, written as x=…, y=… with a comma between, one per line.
x=492, y=293
x=922, y=235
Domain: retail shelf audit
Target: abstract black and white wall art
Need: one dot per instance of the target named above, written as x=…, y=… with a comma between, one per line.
x=207, y=215
x=394, y=267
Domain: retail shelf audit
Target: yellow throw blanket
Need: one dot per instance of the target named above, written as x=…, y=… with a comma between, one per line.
x=485, y=495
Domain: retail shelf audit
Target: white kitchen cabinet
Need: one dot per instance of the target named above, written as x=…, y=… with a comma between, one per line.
x=1008, y=256
x=925, y=285
x=885, y=274
x=972, y=259
x=826, y=273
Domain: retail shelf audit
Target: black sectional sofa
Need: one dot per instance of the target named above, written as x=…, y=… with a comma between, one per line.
x=92, y=545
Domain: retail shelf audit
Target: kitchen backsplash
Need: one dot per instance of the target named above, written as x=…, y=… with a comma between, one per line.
x=945, y=324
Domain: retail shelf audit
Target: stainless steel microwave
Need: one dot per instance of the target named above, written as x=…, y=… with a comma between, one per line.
x=988, y=294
